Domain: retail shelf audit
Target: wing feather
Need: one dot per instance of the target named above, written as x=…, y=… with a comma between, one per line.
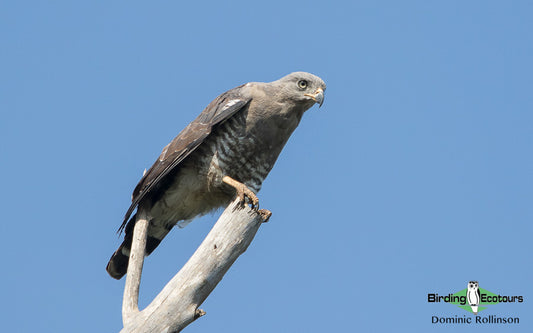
x=187, y=141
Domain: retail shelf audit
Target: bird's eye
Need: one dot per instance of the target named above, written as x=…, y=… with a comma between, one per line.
x=302, y=84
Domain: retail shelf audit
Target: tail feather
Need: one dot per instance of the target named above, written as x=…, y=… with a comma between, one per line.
x=118, y=263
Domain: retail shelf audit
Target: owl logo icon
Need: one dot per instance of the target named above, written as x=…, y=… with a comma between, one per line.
x=473, y=295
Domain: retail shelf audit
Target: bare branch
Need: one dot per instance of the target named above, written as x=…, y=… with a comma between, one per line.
x=177, y=304
x=130, y=301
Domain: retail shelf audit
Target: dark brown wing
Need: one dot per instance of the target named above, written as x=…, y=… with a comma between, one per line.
x=219, y=110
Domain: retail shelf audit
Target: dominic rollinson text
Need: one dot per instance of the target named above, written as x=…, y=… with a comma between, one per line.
x=475, y=320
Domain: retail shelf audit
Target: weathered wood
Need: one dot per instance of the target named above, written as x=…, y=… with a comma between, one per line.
x=130, y=301
x=177, y=304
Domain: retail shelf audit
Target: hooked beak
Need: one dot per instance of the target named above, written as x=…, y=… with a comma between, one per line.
x=318, y=96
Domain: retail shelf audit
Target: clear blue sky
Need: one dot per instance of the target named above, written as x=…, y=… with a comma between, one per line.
x=415, y=176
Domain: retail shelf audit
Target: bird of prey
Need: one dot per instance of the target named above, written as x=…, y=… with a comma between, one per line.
x=227, y=150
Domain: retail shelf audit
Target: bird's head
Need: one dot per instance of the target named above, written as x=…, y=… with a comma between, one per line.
x=304, y=88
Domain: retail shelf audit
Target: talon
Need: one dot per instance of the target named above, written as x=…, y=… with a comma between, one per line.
x=242, y=197
x=243, y=192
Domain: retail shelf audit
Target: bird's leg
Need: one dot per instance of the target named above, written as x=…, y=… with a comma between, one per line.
x=242, y=191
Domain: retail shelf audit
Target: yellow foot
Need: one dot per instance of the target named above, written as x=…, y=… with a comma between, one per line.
x=243, y=192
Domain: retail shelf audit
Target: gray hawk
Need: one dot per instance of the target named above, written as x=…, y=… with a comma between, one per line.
x=227, y=150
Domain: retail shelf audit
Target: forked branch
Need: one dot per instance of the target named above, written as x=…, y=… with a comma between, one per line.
x=177, y=304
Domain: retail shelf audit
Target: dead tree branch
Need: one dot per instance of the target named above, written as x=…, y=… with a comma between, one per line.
x=177, y=304
x=130, y=301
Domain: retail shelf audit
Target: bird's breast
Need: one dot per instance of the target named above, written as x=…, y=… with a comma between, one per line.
x=242, y=150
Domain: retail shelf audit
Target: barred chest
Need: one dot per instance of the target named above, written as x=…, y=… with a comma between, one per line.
x=239, y=152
